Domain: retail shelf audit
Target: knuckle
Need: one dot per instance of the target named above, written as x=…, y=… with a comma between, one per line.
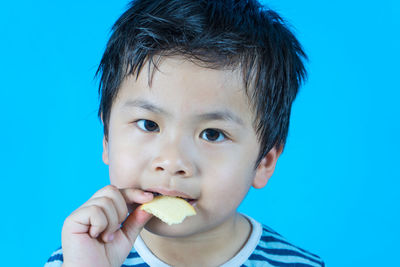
x=107, y=201
x=107, y=209
x=111, y=189
x=73, y=215
x=96, y=211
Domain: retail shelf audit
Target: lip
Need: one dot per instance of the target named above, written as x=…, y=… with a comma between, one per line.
x=168, y=192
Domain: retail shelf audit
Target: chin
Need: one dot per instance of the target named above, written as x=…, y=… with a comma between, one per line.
x=184, y=229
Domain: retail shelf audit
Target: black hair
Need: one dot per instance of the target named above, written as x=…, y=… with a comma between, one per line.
x=216, y=34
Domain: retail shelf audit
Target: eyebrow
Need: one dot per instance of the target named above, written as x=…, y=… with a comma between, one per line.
x=223, y=115
x=143, y=104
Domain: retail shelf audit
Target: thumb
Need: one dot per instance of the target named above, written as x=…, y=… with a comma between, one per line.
x=135, y=223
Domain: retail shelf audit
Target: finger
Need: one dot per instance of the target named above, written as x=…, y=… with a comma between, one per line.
x=114, y=193
x=134, y=224
x=110, y=211
x=133, y=195
x=87, y=220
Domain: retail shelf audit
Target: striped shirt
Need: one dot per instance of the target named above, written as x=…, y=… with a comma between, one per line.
x=264, y=248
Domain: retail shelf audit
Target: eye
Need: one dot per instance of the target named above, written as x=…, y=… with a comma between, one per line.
x=213, y=135
x=148, y=126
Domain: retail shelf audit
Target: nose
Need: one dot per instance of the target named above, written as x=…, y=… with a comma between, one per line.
x=173, y=160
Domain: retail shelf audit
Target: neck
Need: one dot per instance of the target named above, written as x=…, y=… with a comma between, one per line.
x=218, y=244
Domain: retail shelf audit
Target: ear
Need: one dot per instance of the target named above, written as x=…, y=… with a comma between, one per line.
x=105, y=151
x=266, y=167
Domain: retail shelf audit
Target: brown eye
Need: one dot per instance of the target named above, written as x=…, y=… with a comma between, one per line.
x=148, y=126
x=213, y=135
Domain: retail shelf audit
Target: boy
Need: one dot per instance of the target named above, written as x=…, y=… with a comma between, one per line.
x=195, y=101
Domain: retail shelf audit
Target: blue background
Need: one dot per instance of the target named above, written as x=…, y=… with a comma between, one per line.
x=336, y=188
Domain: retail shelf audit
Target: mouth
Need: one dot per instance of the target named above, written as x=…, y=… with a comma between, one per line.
x=177, y=194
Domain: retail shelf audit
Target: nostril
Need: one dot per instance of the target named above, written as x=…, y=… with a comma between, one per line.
x=159, y=169
x=180, y=172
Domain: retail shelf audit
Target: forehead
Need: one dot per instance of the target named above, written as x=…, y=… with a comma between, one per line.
x=179, y=85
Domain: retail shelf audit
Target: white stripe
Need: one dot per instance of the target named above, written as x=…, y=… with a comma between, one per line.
x=56, y=263
x=279, y=245
x=286, y=259
x=255, y=263
x=133, y=261
x=53, y=264
x=57, y=252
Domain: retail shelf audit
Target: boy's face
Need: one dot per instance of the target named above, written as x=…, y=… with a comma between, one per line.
x=189, y=134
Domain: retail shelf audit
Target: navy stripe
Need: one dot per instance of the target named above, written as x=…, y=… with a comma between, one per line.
x=270, y=238
x=274, y=239
x=133, y=255
x=136, y=265
x=269, y=230
x=255, y=257
x=286, y=252
x=57, y=257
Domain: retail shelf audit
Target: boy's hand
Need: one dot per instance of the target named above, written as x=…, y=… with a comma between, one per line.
x=91, y=235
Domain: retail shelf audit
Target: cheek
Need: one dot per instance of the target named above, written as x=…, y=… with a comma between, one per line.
x=126, y=164
x=228, y=183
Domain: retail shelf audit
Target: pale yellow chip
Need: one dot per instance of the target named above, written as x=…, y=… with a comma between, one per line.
x=171, y=210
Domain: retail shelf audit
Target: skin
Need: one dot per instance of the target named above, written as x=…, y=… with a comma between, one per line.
x=174, y=136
